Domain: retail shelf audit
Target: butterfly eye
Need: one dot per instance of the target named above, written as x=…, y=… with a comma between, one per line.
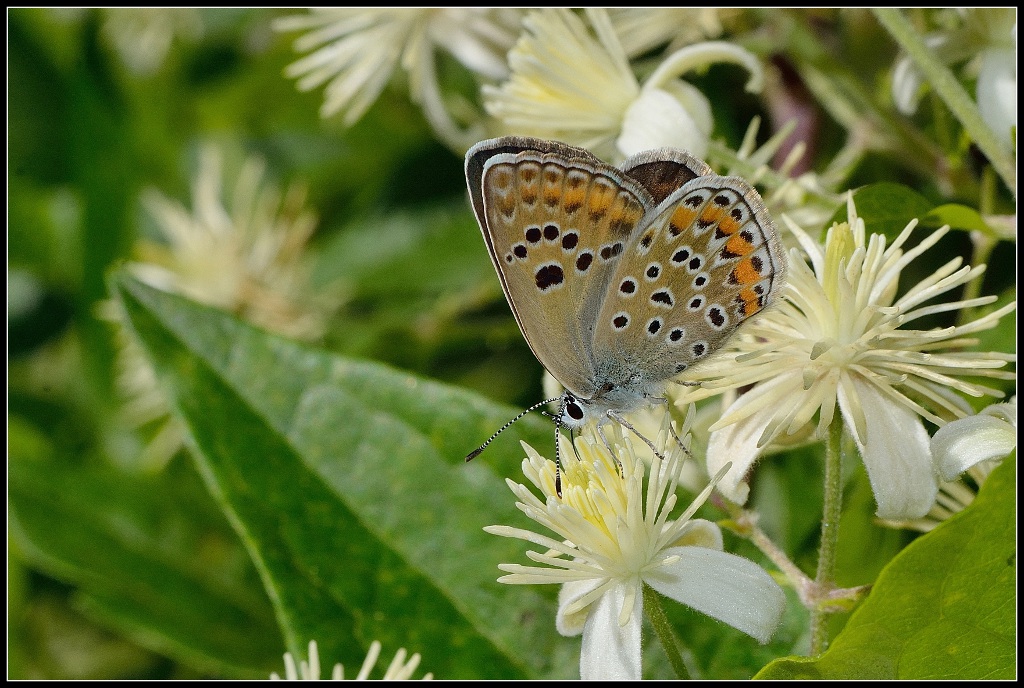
x=573, y=410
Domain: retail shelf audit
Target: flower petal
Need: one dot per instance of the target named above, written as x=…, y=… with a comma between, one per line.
x=723, y=586
x=572, y=623
x=907, y=78
x=963, y=443
x=611, y=652
x=657, y=120
x=700, y=533
x=738, y=442
x=895, y=452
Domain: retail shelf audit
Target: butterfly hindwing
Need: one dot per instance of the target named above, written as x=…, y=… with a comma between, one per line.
x=556, y=226
x=664, y=170
x=707, y=259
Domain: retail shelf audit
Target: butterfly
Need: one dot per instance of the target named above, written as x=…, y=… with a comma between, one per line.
x=620, y=278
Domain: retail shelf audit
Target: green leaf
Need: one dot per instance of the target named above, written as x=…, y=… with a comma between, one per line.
x=144, y=558
x=886, y=208
x=348, y=484
x=944, y=608
x=958, y=217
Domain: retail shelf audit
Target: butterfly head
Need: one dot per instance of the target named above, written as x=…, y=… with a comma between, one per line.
x=573, y=412
x=623, y=396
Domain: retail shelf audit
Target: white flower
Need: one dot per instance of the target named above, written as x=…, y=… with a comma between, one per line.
x=244, y=253
x=804, y=198
x=838, y=339
x=356, y=52
x=615, y=538
x=985, y=38
x=570, y=85
x=967, y=442
x=399, y=670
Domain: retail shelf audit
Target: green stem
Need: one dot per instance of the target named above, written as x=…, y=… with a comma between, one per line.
x=983, y=244
x=983, y=247
x=829, y=531
x=656, y=615
x=952, y=93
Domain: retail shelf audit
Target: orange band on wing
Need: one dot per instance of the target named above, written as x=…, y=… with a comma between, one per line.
x=681, y=219
x=738, y=246
x=745, y=273
x=751, y=302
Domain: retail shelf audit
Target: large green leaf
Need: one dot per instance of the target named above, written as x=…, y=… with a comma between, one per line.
x=943, y=609
x=347, y=482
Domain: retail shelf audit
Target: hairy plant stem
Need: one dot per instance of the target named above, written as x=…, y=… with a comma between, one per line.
x=656, y=615
x=833, y=493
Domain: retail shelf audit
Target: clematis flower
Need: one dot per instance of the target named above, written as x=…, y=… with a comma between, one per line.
x=244, y=254
x=574, y=86
x=356, y=52
x=839, y=339
x=400, y=668
x=614, y=537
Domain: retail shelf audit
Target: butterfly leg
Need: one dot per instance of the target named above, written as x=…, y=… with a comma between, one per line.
x=618, y=418
x=608, y=445
x=672, y=430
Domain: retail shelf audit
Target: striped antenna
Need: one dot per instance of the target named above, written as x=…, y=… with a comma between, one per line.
x=479, y=450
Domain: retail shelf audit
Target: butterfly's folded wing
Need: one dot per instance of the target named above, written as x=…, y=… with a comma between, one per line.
x=556, y=224
x=707, y=259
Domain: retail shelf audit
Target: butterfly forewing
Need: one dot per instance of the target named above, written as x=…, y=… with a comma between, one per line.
x=556, y=228
x=707, y=259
